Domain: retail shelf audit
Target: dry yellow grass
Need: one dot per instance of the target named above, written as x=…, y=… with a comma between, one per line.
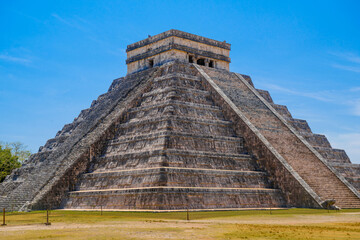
x=281, y=224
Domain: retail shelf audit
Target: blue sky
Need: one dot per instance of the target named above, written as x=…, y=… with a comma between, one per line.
x=57, y=56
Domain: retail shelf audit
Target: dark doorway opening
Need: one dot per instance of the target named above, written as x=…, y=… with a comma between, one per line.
x=151, y=63
x=211, y=63
x=191, y=59
x=201, y=62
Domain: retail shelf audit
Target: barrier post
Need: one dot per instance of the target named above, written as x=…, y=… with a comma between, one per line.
x=187, y=213
x=47, y=217
x=4, y=224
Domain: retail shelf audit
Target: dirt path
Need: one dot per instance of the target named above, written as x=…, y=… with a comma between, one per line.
x=158, y=224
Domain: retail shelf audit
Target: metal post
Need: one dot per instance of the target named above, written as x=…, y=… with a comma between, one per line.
x=47, y=218
x=4, y=224
x=187, y=213
x=187, y=205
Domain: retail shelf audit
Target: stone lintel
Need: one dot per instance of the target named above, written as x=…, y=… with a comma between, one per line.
x=174, y=45
x=181, y=34
x=179, y=47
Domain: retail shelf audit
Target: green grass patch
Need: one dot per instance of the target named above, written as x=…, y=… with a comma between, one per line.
x=294, y=232
x=20, y=218
x=95, y=216
x=280, y=224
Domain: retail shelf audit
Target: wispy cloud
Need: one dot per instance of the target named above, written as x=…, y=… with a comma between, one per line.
x=60, y=19
x=76, y=22
x=356, y=109
x=351, y=61
x=347, y=98
x=347, y=68
x=323, y=96
x=349, y=142
x=9, y=58
x=348, y=56
x=355, y=89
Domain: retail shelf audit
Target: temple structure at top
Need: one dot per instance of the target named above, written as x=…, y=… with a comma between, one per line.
x=177, y=45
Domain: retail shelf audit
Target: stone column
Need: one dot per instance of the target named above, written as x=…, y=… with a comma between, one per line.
x=207, y=62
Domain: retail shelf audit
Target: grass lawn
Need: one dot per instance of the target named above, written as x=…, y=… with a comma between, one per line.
x=281, y=224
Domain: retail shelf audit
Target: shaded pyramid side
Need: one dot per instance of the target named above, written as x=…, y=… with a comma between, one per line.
x=174, y=150
x=279, y=146
x=337, y=158
x=44, y=179
x=350, y=171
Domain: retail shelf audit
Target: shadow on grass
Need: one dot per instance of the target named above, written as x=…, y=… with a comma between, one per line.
x=61, y=216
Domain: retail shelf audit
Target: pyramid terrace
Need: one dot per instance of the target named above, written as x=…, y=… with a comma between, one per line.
x=180, y=131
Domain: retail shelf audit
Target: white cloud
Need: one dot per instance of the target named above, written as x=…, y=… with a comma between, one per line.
x=324, y=96
x=347, y=68
x=349, y=142
x=348, y=56
x=8, y=58
x=78, y=23
x=355, y=89
x=354, y=106
x=356, y=111
x=338, y=97
x=61, y=19
x=352, y=59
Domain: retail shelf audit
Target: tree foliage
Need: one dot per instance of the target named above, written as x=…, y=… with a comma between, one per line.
x=12, y=155
x=18, y=149
x=8, y=162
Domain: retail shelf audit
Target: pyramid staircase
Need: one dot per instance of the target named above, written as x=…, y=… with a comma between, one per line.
x=183, y=136
x=286, y=144
x=174, y=150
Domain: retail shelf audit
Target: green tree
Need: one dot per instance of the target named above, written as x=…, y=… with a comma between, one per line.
x=18, y=149
x=8, y=162
x=12, y=155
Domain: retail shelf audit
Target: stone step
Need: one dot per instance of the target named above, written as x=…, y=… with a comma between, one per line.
x=316, y=140
x=176, y=123
x=176, y=80
x=346, y=165
x=333, y=155
x=205, y=189
x=176, y=102
x=174, y=177
x=177, y=140
x=175, y=158
x=175, y=93
x=176, y=88
x=178, y=118
x=166, y=133
x=181, y=76
x=179, y=108
x=176, y=198
x=211, y=171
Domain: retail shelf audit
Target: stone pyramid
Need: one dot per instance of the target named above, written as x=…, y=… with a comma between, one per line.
x=181, y=131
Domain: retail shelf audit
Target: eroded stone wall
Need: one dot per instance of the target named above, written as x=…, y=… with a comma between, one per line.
x=175, y=150
x=44, y=173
